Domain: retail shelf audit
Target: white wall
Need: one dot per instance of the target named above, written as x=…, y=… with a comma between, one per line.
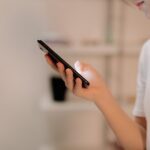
x=78, y=19
x=23, y=75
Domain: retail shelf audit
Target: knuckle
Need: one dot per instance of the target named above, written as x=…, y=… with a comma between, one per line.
x=75, y=92
x=61, y=70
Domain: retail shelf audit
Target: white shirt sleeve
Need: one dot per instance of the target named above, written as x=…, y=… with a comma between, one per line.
x=141, y=82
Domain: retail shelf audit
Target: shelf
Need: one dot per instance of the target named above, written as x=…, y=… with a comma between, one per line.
x=80, y=50
x=47, y=105
x=95, y=50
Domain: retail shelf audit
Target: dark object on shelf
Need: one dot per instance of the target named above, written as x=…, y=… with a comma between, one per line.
x=58, y=89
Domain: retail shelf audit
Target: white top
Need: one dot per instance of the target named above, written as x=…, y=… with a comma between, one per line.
x=142, y=105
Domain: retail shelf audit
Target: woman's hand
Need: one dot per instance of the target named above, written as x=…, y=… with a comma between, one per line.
x=97, y=89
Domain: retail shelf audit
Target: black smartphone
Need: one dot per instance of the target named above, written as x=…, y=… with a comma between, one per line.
x=56, y=58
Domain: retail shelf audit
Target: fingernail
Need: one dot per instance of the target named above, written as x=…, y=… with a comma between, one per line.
x=77, y=65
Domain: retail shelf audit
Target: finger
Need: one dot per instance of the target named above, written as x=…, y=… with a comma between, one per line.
x=49, y=59
x=69, y=79
x=61, y=70
x=78, y=86
x=50, y=62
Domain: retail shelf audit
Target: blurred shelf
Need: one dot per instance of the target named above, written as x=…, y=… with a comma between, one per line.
x=48, y=147
x=47, y=105
x=96, y=51
x=91, y=50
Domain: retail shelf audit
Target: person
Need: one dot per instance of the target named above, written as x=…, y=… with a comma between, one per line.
x=132, y=134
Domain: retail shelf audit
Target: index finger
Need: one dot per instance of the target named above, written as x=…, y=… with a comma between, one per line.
x=50, y=62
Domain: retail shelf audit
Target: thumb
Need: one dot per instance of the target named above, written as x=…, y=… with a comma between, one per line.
x=80, y=66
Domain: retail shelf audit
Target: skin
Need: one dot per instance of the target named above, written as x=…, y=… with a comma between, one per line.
x=131, y=134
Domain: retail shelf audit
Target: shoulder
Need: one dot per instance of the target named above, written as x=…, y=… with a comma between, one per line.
x=146, y=47
x=145, y=51
x=144, y=58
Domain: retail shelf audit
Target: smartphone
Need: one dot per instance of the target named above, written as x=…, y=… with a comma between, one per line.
x=56, y=58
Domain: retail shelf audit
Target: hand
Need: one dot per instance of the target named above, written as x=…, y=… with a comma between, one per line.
x=97, y=89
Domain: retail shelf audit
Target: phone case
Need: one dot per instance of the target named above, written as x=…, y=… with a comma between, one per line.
x=56, y=58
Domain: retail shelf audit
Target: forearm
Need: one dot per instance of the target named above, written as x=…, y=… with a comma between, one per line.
x=126, y=130
x=143, y=134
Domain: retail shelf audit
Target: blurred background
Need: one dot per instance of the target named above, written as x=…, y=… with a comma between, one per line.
x=108, y=34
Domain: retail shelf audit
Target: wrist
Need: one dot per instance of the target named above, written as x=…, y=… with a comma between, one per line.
x=103, y=96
